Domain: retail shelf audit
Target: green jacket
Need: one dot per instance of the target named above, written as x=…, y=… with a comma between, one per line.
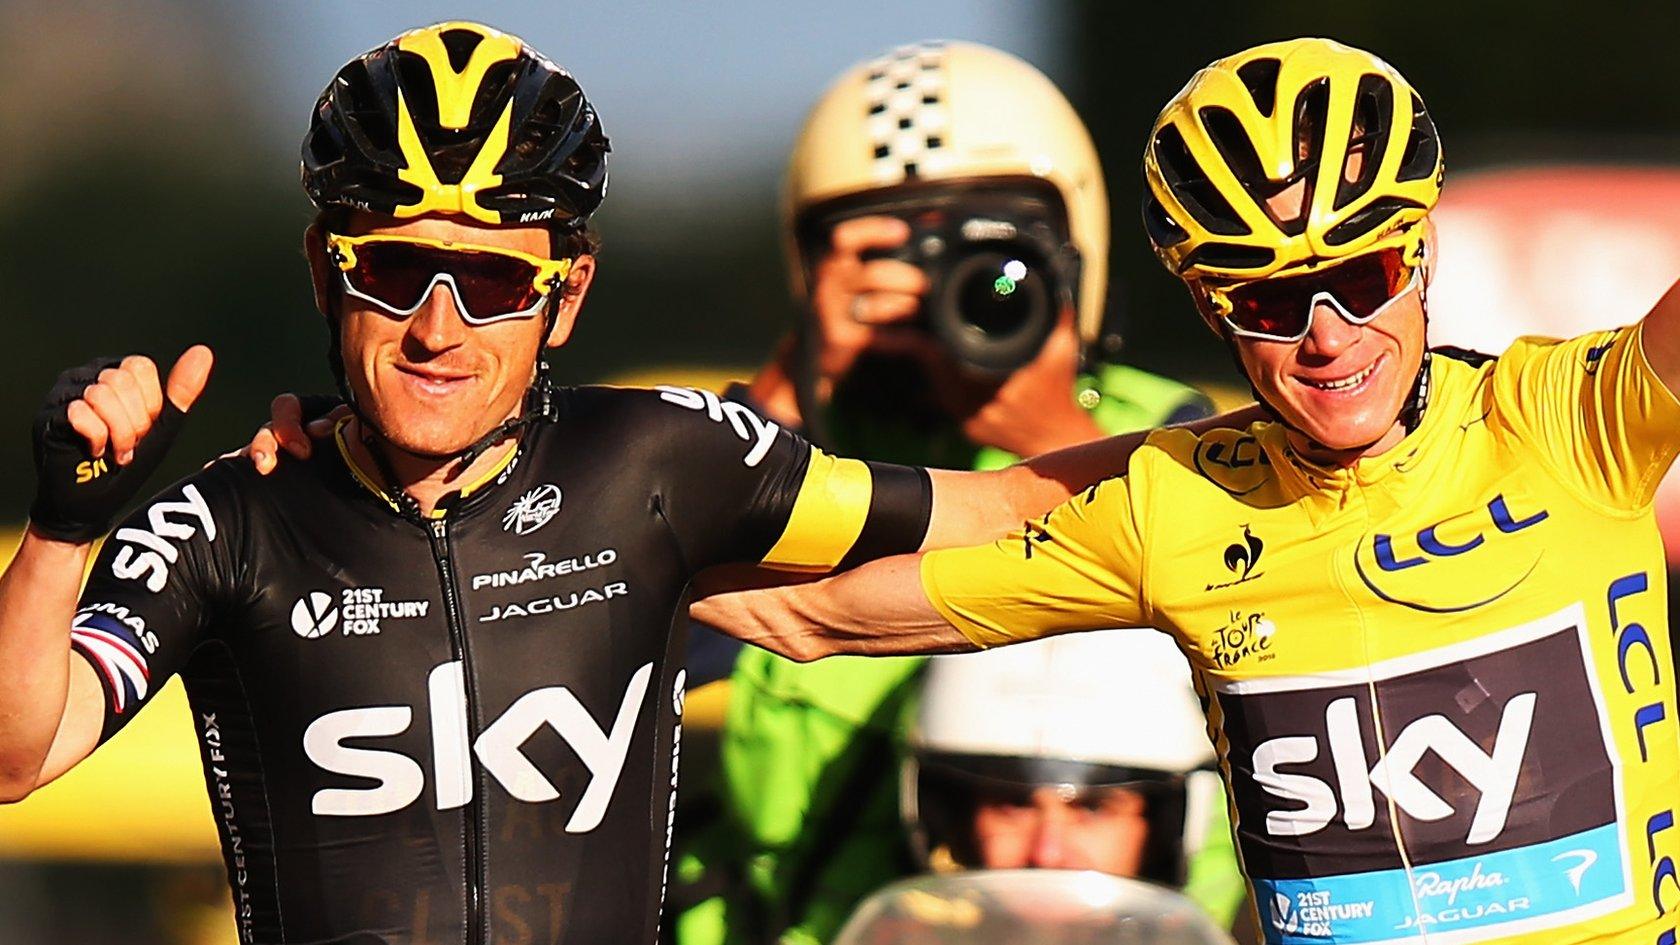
x=808, y=820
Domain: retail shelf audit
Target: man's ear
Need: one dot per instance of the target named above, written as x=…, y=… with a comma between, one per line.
x=571, y=299
x=1429, y=250
x=322, y=273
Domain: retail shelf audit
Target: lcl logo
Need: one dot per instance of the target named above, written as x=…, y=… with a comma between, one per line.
x=1631, y=635
x=1397, y=570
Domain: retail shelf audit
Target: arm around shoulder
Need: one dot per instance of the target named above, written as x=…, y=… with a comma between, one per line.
x=879, y=609
x=974, y=507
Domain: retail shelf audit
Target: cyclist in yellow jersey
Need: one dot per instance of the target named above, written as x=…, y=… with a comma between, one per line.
x=1423, y=602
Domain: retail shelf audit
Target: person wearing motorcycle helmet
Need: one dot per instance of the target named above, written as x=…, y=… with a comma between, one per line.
x=946, y=227
x=1085, y=752
x=918, y=178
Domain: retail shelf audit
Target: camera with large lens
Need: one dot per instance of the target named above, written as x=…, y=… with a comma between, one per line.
x=998, y=259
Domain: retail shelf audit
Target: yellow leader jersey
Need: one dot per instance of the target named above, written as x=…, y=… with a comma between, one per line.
x=1439, y=681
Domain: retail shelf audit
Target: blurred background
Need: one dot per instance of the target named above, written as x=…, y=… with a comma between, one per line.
x=149, y=200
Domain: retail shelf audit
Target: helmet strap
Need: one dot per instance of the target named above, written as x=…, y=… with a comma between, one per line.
x=1411, y=412
x=540, y=403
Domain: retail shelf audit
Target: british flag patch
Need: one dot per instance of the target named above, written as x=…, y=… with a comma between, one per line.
x=115, y=650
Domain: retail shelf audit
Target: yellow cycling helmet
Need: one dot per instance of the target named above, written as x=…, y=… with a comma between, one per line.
x=943, y=111
x=1287, y=156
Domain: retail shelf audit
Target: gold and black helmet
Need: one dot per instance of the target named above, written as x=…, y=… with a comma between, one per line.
x=457, y=118
x=1287, y=156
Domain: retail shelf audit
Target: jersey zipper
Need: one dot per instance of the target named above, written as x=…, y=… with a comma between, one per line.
x=473, y=812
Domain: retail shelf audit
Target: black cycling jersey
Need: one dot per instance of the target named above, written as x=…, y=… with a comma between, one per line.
x=463, y=729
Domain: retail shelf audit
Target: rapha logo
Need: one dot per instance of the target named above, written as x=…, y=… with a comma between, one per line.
x=532, y=510
x=1242, y=559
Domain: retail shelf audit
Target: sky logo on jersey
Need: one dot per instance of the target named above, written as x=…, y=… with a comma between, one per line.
x=116, y=650
x=1487, y=756
x=343, y=743
x=146, y=553
x=749, y=426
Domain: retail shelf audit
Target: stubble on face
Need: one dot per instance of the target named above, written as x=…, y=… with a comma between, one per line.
x=1342, y=388
x=432, y=383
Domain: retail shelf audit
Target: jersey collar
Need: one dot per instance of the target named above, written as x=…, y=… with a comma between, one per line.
x=370, y=482
x=1394, y=477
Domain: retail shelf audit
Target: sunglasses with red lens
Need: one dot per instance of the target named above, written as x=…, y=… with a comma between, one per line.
x=489, y=283
x=1281, y=308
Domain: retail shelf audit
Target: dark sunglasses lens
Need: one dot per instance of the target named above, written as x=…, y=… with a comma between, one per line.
x=1364, y=284
x=493, y=284
x=394, y=273
x=1281, y=307
x=490, y=284
x=1273, y=307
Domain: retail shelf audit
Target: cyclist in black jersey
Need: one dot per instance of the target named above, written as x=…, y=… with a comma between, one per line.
x=431, y=667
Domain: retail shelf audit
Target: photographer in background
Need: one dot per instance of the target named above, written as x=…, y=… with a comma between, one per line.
x=947, y=228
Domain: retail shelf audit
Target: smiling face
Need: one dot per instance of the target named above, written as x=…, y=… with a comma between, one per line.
x=1343, y=386
x=429, y=381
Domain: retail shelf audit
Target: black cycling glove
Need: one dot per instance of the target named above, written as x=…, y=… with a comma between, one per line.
x=77, y=497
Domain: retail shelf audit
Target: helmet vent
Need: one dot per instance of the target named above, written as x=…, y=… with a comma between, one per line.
x=497, y=85
x=414, y=77
x=322, y=149
x=1423, y=149
x=1225, y=130
x=1191, y=185
x=1373, y=120
x=459, y=45
x=1367, y=219
x=1228, y=256
x=1312, y=109
x=1260, y=77
x=1163, y=231
x=541, y=133
x=369, y=122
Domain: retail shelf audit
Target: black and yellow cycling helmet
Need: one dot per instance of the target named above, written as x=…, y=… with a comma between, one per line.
x=1285, y=157
x=457, y=118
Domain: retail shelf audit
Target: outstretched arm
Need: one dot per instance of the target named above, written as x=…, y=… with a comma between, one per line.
x=973, y=507
x=1080, y=567
x=878, y=609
